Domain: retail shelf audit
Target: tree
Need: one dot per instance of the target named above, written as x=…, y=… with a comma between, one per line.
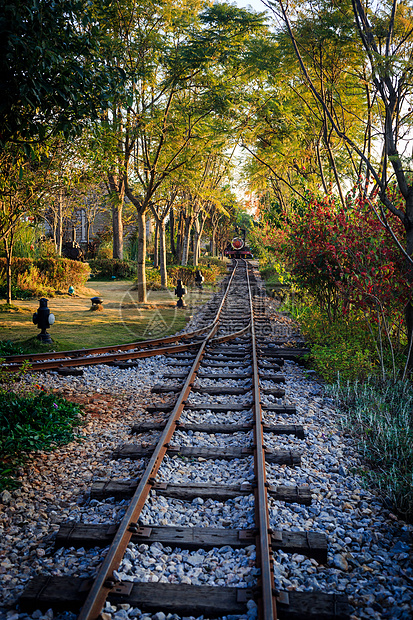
x=53, y=78
x=385, y=38
x=178, y=75
x=20, y=191
x=54, y=84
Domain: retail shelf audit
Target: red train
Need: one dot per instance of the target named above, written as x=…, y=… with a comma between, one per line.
x=237, y=249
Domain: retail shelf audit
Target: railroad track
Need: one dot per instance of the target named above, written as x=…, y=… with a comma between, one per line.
x=232, y=373
x=120, y=355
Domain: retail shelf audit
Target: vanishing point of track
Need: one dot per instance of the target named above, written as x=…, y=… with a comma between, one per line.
x=238, y=319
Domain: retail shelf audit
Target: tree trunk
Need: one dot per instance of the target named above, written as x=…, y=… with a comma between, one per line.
x=8, y=251
x=162, y=252
x=179, y=239
x=172, y=232
x=117, y=226
x=196, y=242
x=186, y=240
x=59, y=224
x=141, y=256
x=214, y=241
x=320, y=166
x=117, y=198
x=156, y=247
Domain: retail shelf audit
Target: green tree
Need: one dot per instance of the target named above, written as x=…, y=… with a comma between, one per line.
x=385, y=42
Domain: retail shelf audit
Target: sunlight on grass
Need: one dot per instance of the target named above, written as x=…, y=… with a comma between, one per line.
x=122, y=319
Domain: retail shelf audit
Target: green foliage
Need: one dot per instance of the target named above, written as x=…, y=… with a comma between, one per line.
x=217, y=262
x=108, y=267
x=37, y=277
x=187, y=274
x=7, y=347
x=47, y=81
x=344, y=347
x=30, y=423
x=379, y=415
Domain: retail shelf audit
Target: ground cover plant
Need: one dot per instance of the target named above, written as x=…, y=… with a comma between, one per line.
x=379, y=414
x=30, y=423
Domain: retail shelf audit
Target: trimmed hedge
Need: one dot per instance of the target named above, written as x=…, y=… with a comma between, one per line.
x=108, y=267
x=43, y=276
x=185, y=274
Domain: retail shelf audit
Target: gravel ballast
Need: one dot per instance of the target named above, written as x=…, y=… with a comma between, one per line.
x=369, y=547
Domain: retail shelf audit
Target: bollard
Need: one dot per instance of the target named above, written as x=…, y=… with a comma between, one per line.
x=43, y=318
x=97, y=303
x=199, y=278
x=180, y=291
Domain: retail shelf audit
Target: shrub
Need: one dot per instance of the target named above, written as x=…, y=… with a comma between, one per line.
x=187, y=274
x=153, y=279
x=344, y=347
x=108, y=267
x=212, y=260
x=7, y=347
x=44, y=276
x=29, y=423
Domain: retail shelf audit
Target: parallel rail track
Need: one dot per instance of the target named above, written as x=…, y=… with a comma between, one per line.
x=235, y=321
x=41, y=362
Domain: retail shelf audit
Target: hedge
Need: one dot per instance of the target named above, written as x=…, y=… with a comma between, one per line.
x=108, y=267
x=185, y=274
x=43, y=276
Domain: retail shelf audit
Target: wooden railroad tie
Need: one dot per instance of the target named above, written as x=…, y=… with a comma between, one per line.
x=69, y=593
x=166, y=407
x=277, y=429
x=280, y=457
x=311, y=544
x=123, y=489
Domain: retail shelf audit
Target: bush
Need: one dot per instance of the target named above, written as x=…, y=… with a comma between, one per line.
x=108, y=267
x=344, y=347
x=187, y=274
x=40, y=277
x=217, y=262
x=379, y=415
x=31, y=423
x=7, y=347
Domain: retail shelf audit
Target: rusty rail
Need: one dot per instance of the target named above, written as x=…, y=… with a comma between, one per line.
x=101, y=355
x=104, y=580
x=268, y=602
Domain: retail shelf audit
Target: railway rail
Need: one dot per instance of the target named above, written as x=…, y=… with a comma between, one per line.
x=115, y=355
x=234, y=347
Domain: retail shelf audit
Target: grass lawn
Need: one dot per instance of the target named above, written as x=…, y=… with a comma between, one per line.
x=122, y=319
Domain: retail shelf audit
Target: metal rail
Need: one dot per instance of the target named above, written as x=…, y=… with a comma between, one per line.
x=268, y=602
x=104, y=580
x=102, y=355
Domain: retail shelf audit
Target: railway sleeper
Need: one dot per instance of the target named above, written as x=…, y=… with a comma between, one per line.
x=166, y=407
x=277, y=429
x=87, y=535
x=123, y=489
x=69, y=593
x=280, y=457
x=209, y=375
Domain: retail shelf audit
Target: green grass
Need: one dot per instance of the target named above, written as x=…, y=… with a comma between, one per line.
x=31, y=423
x=380, y=416
x=122, y=319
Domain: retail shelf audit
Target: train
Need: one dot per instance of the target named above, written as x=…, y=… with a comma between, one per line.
x=237, y=249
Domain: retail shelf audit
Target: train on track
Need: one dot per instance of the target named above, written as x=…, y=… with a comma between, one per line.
x=237, y=249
